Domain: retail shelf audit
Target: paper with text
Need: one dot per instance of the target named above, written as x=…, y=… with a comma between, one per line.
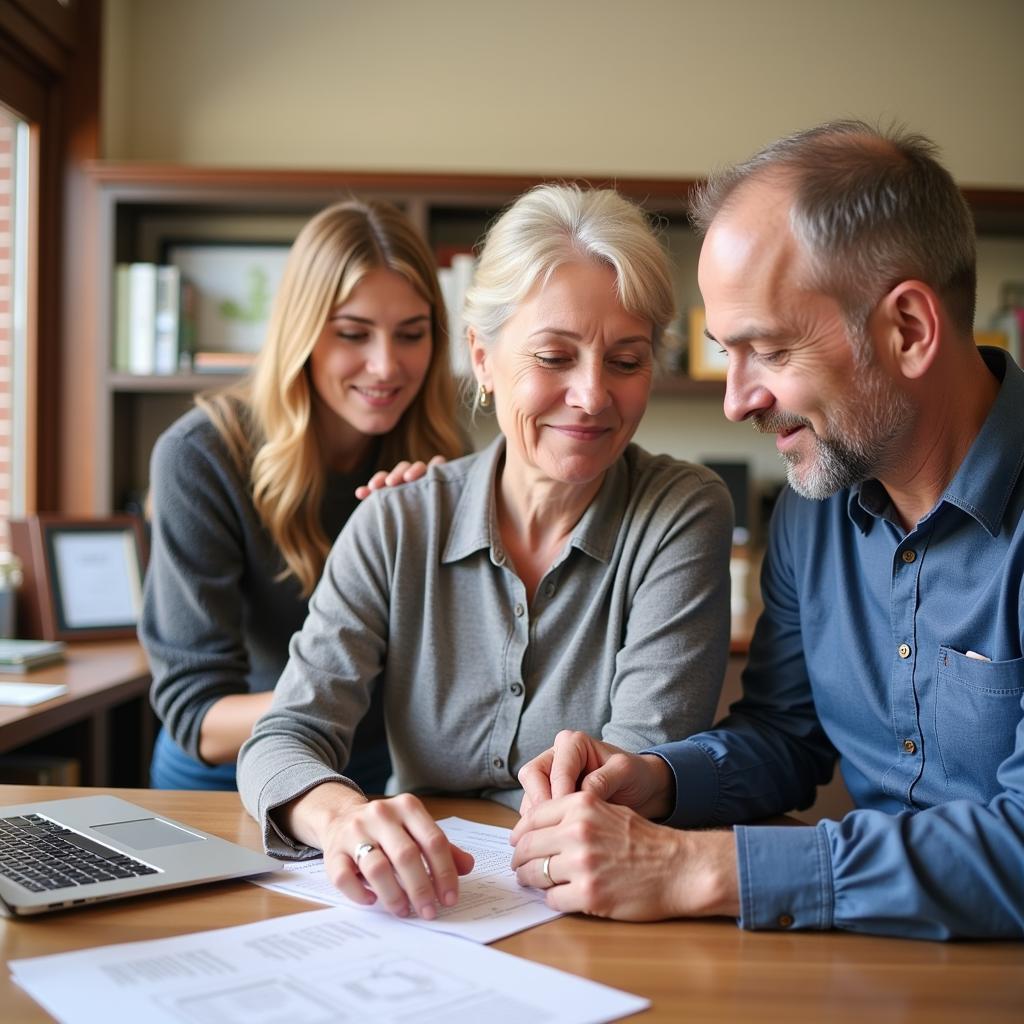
x=318, y=967
x=492, y=904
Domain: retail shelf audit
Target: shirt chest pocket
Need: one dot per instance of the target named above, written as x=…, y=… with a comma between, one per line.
x=977, y=711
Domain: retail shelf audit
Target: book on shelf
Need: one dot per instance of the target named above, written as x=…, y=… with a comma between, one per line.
x=455, y=281
x=122, y=319
x=154, y=318
x=22, y=655
x=165, y=320
x=141, y=317
x=223, y=362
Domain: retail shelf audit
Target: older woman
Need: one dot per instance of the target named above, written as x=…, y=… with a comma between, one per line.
x=561, y=578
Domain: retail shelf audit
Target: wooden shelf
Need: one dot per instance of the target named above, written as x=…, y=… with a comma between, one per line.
x=172, y=383
x=186, y=383
x=135, y=205
x=679, y=386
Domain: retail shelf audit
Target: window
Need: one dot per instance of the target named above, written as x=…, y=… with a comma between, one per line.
x=14, y=182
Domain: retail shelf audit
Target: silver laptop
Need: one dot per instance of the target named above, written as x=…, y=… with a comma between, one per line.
x=56, y=854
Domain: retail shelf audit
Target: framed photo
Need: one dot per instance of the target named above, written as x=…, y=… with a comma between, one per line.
x=707, y=361
x=233, y=285
x=82, y=577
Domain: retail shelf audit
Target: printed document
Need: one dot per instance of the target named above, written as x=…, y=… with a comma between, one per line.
x=492, y=904
x=318, y=967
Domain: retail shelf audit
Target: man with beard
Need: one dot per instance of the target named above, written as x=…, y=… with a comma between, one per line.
x=838, y=273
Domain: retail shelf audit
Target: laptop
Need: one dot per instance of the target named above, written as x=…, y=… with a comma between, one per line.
x=56, y=854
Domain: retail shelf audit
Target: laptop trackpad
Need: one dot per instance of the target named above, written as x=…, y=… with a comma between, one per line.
x=146, y=833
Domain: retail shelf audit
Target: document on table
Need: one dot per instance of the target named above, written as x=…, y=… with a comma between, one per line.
x=24, y=695
x=318, y=967
x=492, y=904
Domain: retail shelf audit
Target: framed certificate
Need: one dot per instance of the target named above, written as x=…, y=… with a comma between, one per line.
x=82, y=577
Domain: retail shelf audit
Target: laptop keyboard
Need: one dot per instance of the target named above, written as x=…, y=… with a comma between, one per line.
x=40, y=854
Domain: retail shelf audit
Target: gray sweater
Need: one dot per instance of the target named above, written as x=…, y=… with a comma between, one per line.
x=215, y=621
x=627, y=636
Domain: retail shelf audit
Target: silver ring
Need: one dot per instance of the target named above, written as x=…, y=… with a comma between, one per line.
x=361, y=851
x=545, y=864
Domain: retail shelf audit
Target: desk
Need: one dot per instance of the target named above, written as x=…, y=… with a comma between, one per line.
x=100, y=677
x=692, y=970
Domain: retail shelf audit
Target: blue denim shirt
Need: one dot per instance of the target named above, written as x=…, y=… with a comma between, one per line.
x=862, y=651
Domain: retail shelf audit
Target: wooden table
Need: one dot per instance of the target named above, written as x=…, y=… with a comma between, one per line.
x=692, y=970
x=100, y=676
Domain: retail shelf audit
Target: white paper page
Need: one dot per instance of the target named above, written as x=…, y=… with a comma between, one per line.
x=24, y=695
x=320, y=967
x=492, y=904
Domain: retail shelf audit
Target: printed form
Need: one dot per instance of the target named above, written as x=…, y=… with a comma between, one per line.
x=492, y=904
x=317, y=967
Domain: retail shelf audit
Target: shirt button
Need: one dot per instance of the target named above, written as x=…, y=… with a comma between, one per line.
x=903, y=650
x=785, y=920
x=909, y=556
x=550, y=589
x=519, y=609
x=499, y=556
x=498, y=763
x=910, y=746
x=517, y=689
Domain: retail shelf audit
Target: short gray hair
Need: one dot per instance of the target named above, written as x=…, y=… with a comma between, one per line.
x=871, y=207
x=556, y=224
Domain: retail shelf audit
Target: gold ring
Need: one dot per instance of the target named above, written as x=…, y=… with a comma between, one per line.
x=546, y=873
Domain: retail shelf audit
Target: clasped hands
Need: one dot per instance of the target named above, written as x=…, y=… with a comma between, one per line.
x=585, y=827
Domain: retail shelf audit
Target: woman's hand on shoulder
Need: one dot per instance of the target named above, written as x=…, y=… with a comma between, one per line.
x=404, y=473
x=393, y=850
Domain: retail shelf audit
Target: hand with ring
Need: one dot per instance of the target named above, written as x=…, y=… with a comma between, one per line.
x=390, y=849
x=598, y=858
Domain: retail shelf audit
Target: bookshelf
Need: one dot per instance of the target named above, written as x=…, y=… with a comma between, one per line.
x=135, y=208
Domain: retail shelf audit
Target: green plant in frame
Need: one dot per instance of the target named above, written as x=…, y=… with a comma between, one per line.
x=256, y=307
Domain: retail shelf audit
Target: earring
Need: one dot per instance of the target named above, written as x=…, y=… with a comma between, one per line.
x=483, y=397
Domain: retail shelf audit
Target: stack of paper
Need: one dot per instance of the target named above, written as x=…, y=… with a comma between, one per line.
x=22, y=655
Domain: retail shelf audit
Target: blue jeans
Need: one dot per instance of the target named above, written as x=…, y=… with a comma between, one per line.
x=172, y=768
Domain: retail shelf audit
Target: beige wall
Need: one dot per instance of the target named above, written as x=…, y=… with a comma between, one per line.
x=645, y=87
x=632, y=87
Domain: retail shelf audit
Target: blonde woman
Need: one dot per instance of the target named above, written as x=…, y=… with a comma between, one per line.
x=250, y=489
x=561, y=578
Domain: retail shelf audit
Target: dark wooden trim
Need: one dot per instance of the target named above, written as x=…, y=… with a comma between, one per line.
x=67, y=462
x=56, y=19
x=44, y=417
x=479, y=186
x=43, y=30
x=987, y=203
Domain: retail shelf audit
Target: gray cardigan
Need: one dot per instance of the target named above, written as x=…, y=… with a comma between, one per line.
x=627, y=636
x=215, y=619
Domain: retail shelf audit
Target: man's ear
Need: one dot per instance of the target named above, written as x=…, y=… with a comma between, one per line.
x=909, y=327
x=479, y=358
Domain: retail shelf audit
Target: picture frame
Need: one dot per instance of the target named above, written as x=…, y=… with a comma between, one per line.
x=232, y=284
x=707, y=361
x=82, y=577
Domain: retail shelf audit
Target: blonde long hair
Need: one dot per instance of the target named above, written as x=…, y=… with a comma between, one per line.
x=266, y=420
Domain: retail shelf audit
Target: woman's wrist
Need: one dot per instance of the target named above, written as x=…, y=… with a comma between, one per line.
x=309, y=818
